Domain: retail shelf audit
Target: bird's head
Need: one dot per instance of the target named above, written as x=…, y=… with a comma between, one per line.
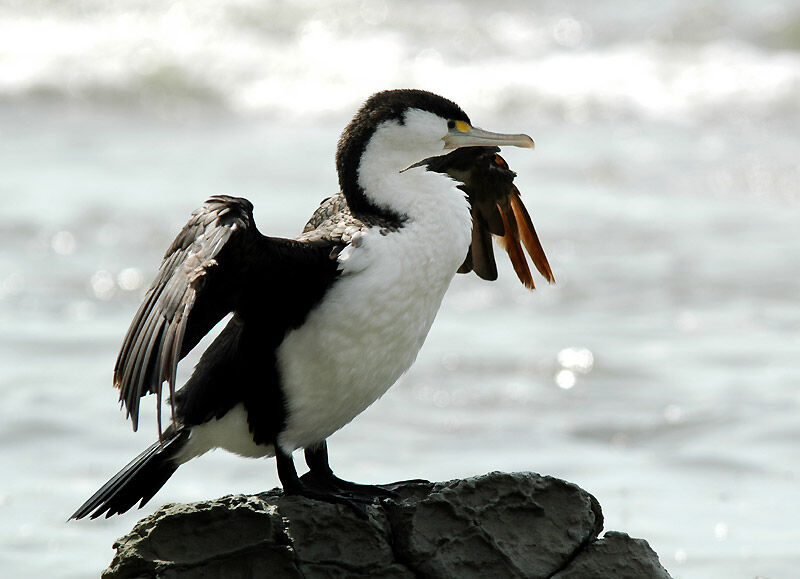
x=395, y=129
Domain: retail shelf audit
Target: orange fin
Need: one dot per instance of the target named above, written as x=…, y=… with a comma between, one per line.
x=529, y=237
x=511, y=243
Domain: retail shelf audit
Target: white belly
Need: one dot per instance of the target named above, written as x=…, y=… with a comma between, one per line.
x=368, y=330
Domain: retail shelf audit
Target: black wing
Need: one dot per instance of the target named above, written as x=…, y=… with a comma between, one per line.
x=497, y=210
x=215, y=263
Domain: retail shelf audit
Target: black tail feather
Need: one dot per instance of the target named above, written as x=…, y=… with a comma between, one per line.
x=139, y=480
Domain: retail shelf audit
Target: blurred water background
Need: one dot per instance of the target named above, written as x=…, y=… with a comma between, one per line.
x=661, y=373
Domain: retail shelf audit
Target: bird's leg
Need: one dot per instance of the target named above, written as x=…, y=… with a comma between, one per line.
x=321, y=476
x=293, y=485
x=287, y=473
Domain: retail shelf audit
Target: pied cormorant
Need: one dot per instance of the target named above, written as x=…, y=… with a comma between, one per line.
x=323, y=324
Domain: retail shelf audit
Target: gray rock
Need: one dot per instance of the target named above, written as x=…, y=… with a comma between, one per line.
x=496, y=525
x=615, y=555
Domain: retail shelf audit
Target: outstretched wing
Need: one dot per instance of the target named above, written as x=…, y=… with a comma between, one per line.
x=497, y=210
x=215, y=261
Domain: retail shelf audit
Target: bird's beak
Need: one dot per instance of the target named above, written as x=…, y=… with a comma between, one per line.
x=465, y=135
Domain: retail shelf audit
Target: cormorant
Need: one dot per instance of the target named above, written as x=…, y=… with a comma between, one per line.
x=323, y=324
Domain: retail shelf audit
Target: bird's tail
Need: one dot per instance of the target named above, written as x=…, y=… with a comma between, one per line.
x=139, y=480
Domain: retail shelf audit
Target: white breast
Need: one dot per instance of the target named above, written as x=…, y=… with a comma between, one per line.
x=371, y=324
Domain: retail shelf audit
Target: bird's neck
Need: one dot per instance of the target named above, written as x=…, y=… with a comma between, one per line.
x=386, y=182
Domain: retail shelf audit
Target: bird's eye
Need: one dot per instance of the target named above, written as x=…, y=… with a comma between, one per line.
x=460, y=126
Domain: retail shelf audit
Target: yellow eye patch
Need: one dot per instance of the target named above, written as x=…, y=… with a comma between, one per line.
x=463, y=127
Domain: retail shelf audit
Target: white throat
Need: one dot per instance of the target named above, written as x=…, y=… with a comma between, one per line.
x=383, y=173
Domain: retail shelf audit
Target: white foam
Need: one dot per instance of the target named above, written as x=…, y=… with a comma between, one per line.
x=316, y=60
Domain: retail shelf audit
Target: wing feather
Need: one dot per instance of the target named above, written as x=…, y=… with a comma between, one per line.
x=218, y=263
x=156, y=339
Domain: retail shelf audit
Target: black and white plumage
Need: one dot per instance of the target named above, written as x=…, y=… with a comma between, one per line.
x=325, y=323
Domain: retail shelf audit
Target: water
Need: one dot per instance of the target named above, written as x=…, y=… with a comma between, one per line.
x=660, y=373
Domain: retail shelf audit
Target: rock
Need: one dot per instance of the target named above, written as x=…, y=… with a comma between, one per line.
x=496, y=525
x=615, y=555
